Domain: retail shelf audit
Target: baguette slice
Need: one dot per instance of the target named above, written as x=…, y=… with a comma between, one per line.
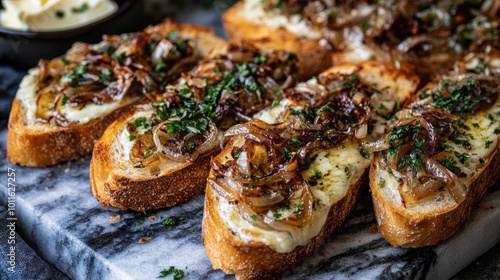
x=35, y=143
x=255, y=246
x=357, y=31
x=408, y=219
x=313, y=53
x=230, y=82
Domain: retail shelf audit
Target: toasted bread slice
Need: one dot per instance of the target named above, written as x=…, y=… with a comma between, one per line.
x=313, y=52
x=115, y=181
x=131, y=170
x=62, y=127
x=267, y=242
x=357, y=31
x=454, y=170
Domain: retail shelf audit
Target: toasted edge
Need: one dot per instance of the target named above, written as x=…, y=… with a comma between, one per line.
x=405, y=229
x=170, y=187
x=45, y=145
x=314, y=55
x=255, y=260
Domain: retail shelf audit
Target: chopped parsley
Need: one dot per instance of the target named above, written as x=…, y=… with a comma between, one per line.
x=78, y=10
x=313, y=180
x=487, y=144
x=189, y=147
x=148, y=153
x=460, y=100
x=381, y=183
x=64, y=100
x=75, y=77
x=170, y=223
x=178, y=273
x=287, y=155
x=254, y=217
x=138, y=123
x=59, y=14
x=450, y=163
x=307, y=161
x=132, y=137
x=140, y=222
x=364, y=153
x=275, y=103
x=414, y=159
x=295, y=142
x=106, y=75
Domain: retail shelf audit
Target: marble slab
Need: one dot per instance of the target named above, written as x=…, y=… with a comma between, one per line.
x=61, y=220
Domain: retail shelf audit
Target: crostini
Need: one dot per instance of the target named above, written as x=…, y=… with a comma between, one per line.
x=158, y=155
x=288, y=179
x=431, y=35
x=439, y=157
x=64, y=105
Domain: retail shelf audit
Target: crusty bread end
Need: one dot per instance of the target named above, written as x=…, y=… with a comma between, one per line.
x=255, y=260
x=409, y=229
x=42, y=146
x=313, y=55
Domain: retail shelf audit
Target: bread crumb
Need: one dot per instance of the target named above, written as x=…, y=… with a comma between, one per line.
x=144, y=240
x=115, y=218
x=66, y=170
x=152, y=218
x=373, y=229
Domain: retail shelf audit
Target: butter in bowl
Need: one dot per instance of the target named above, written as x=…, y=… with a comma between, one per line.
x=34, y=29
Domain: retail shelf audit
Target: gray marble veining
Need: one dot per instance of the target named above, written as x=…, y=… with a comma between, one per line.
x=64, y=223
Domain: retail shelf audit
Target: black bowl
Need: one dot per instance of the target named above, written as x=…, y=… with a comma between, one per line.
x=24, y=48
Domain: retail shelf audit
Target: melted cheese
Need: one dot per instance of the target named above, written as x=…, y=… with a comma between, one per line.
x=52, y=15
x=124, y=139
x=484, y=130
x=27, y=95
x=341, y=167
x=89, y=112
x=254, y=11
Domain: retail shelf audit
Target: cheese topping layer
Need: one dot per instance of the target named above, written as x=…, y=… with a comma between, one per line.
x=484, y=128
x=254, y=11
x=341, y=167
x=28, y=97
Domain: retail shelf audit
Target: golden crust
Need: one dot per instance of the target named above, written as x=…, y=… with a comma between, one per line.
x=405, y=229
x=313, y=54
x=254, y=260
x=170, y=187
x=44, y=146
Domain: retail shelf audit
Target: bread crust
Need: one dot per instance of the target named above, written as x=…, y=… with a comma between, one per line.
x=170, y=187
x=314, y=55
x=255, y=260
x=406, y=229
x=44, y=145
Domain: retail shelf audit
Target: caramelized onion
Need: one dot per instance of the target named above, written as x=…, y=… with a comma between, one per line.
x=175, y=156
x=264, y=201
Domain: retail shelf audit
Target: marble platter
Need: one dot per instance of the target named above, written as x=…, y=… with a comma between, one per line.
x=61, y=220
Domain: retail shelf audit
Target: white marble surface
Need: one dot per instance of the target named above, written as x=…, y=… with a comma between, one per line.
x=58, y=216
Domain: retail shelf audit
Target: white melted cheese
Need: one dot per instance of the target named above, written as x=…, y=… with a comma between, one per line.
x=254, y=11
x=89, y=112
x=340, y=166
x=27, y=95
x=124, y=138
x=53, y=15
